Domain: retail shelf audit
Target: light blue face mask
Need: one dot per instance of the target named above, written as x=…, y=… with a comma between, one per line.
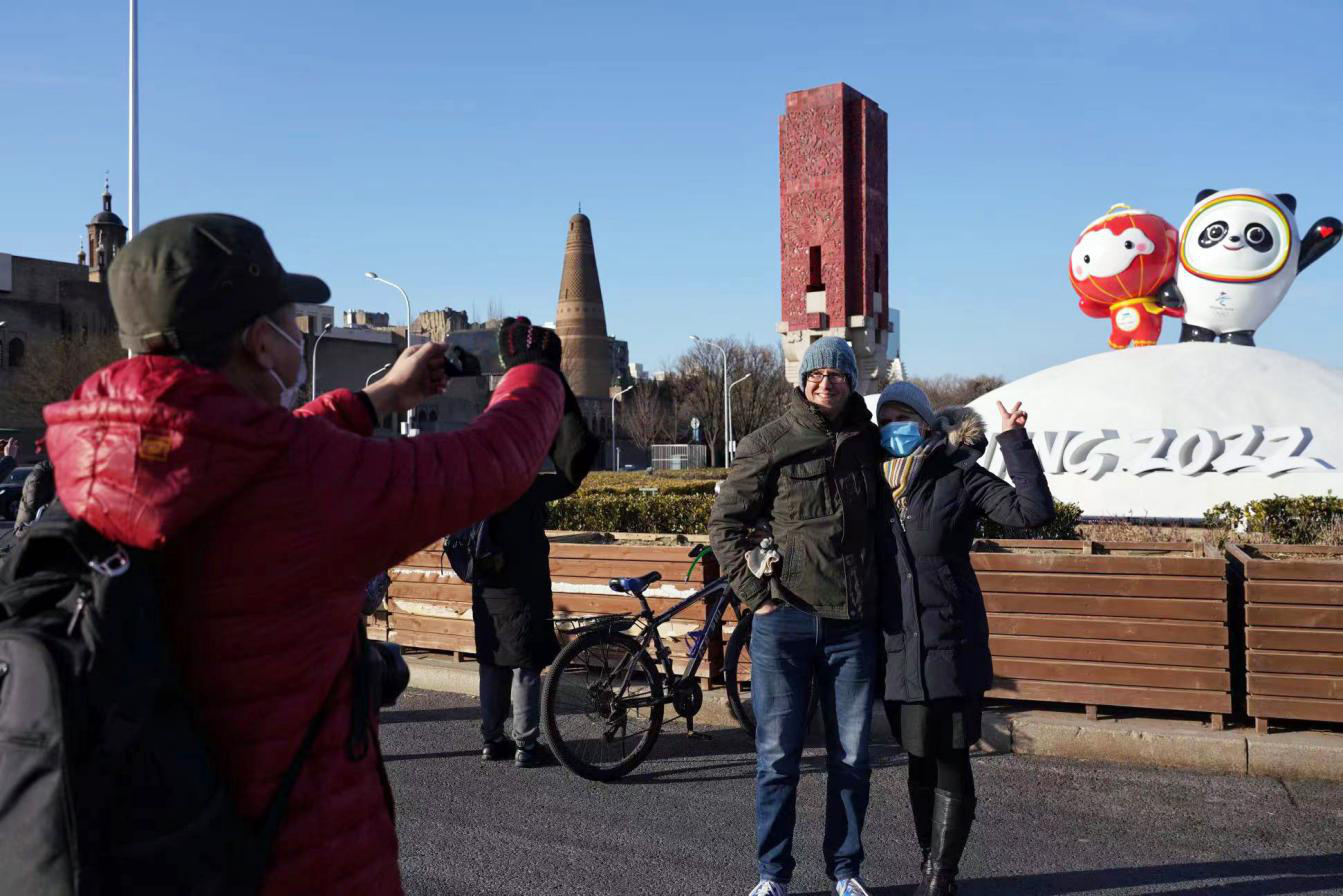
x=901, y=438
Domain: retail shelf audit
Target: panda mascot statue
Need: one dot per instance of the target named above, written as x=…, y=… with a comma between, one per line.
x=1239, y=252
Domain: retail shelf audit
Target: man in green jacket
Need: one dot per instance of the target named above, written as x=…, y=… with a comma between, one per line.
x=811, y=477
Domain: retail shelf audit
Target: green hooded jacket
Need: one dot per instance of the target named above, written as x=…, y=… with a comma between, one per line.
x=815, y=484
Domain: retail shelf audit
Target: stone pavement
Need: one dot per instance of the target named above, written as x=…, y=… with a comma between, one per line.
x=682, y=822
x=1183, y=743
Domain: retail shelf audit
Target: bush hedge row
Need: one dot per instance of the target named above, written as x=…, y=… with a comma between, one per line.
x=1309, y=519
x=688, y=514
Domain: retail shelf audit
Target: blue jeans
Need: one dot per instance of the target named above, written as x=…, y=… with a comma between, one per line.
x=791, y=649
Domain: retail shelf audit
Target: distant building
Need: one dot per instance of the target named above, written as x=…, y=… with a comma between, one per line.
x=323, y=315
x=360, y=318
x=438, y=324
x=620, y=363
x=41, y=299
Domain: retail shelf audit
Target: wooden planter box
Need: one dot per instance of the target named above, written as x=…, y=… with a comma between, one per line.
x=429, y=607
x=1127, y=624
x=1293, y=631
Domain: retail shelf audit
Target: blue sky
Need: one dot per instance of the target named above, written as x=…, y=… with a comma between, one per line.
x=445, y=145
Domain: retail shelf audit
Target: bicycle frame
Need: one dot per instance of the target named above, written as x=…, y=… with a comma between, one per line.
x=717, y=591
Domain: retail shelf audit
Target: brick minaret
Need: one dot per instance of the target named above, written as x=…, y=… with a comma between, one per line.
x=832, y=229
x=580, y=317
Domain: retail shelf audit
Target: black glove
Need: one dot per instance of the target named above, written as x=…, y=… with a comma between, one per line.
x=522, y=343
x=462, y=363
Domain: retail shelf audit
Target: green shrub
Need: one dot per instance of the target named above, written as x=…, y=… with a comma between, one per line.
x=702, y=483
x=1062, y=527
x=607, y=511
x=1304, y=520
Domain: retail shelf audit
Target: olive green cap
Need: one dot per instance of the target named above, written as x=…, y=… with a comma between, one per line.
x=185, y=282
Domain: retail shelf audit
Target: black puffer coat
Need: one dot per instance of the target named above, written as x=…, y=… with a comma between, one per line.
x=511, y=603
x=937, y=633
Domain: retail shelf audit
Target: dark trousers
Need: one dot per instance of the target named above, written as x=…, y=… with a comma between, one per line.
x=791, y=650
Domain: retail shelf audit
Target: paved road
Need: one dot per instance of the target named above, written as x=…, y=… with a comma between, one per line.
x=683, y=823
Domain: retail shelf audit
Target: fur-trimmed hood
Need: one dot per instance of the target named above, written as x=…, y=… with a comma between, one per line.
x=964, y=429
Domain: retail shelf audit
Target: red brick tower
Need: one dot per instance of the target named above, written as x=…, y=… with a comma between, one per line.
x=832, y=229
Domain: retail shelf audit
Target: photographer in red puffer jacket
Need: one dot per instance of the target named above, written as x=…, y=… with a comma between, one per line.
x=270, y=522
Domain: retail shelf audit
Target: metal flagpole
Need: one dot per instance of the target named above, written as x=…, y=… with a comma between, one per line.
x=133, y=187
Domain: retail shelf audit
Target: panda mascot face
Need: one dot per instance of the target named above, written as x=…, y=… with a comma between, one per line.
x=1241, y=237
x=1238, y=255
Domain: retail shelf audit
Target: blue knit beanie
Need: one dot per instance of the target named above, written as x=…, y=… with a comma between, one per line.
x=909, y=395
x=832, y=352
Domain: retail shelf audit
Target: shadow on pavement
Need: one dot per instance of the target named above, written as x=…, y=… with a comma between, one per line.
x=1290, y=874
x=459, y=754
x=447, y=714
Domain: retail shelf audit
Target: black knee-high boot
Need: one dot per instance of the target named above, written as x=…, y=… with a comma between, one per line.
x=952, y=817
x=921, y=807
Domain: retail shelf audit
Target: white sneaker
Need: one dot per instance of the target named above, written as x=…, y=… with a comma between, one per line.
x=769, y=888
x=851, y=887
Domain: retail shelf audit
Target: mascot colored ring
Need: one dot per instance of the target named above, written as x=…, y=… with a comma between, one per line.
x=1284, y=250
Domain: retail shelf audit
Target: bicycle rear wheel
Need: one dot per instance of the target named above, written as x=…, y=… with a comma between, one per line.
x=737, y=679
x=586, y=711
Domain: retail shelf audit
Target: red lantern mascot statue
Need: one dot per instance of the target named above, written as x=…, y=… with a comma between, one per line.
x=1118, y=267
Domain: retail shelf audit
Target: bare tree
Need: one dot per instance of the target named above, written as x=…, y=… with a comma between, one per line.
x=950, y=389
x=646, y=415
x=699, y=392
x=698, y=388
x=53, y=367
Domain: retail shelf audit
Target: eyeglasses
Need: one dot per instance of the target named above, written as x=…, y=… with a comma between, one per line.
x=816, y=377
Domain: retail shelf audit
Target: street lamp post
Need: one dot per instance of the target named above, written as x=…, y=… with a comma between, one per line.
x=727, y=423
x=383, y=369
x=613, y=423
x=731, y=448
x=372, y=276
x=325, y=329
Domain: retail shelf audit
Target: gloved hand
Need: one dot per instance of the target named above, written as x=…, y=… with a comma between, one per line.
x=522, y=343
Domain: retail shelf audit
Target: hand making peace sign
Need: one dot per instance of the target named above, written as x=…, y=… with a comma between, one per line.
x=1013, y=419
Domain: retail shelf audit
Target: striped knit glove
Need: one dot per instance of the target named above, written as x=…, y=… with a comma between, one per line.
x=522, y=343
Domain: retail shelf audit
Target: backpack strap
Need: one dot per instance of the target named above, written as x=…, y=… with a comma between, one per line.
x=258, y=848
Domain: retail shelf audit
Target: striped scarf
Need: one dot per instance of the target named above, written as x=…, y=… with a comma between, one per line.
x=900, y=472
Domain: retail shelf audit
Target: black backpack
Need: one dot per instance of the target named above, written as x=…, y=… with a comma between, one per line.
x=472, y=551
x=106, y=785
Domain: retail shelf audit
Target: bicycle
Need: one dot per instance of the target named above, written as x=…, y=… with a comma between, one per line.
x=604, y=697
x=603, y=701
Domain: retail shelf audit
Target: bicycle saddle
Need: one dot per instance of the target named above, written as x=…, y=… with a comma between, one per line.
x=635, y=586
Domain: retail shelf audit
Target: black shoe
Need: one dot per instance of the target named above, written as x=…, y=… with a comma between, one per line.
x=534, y=756
x=952, y=817
x=497, y=750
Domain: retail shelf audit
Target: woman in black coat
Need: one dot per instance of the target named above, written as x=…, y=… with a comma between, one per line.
x=938, y=664
x=512, y=605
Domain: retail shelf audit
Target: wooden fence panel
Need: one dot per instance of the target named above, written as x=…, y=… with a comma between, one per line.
x=1141, y=625
x=429, y=607
x=1294, y=631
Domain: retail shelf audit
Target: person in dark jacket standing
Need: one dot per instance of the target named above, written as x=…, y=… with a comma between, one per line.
x=511, y=601
x=9, y=457
x=938, y=664
x=812, y=476
x=39, y=488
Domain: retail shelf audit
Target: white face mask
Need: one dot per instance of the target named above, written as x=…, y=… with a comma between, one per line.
x=289, y=394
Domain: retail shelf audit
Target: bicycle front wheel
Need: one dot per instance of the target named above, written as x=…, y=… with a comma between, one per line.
x=601, y=707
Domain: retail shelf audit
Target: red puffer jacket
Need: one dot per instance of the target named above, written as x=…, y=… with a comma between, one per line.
x=271, y=523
